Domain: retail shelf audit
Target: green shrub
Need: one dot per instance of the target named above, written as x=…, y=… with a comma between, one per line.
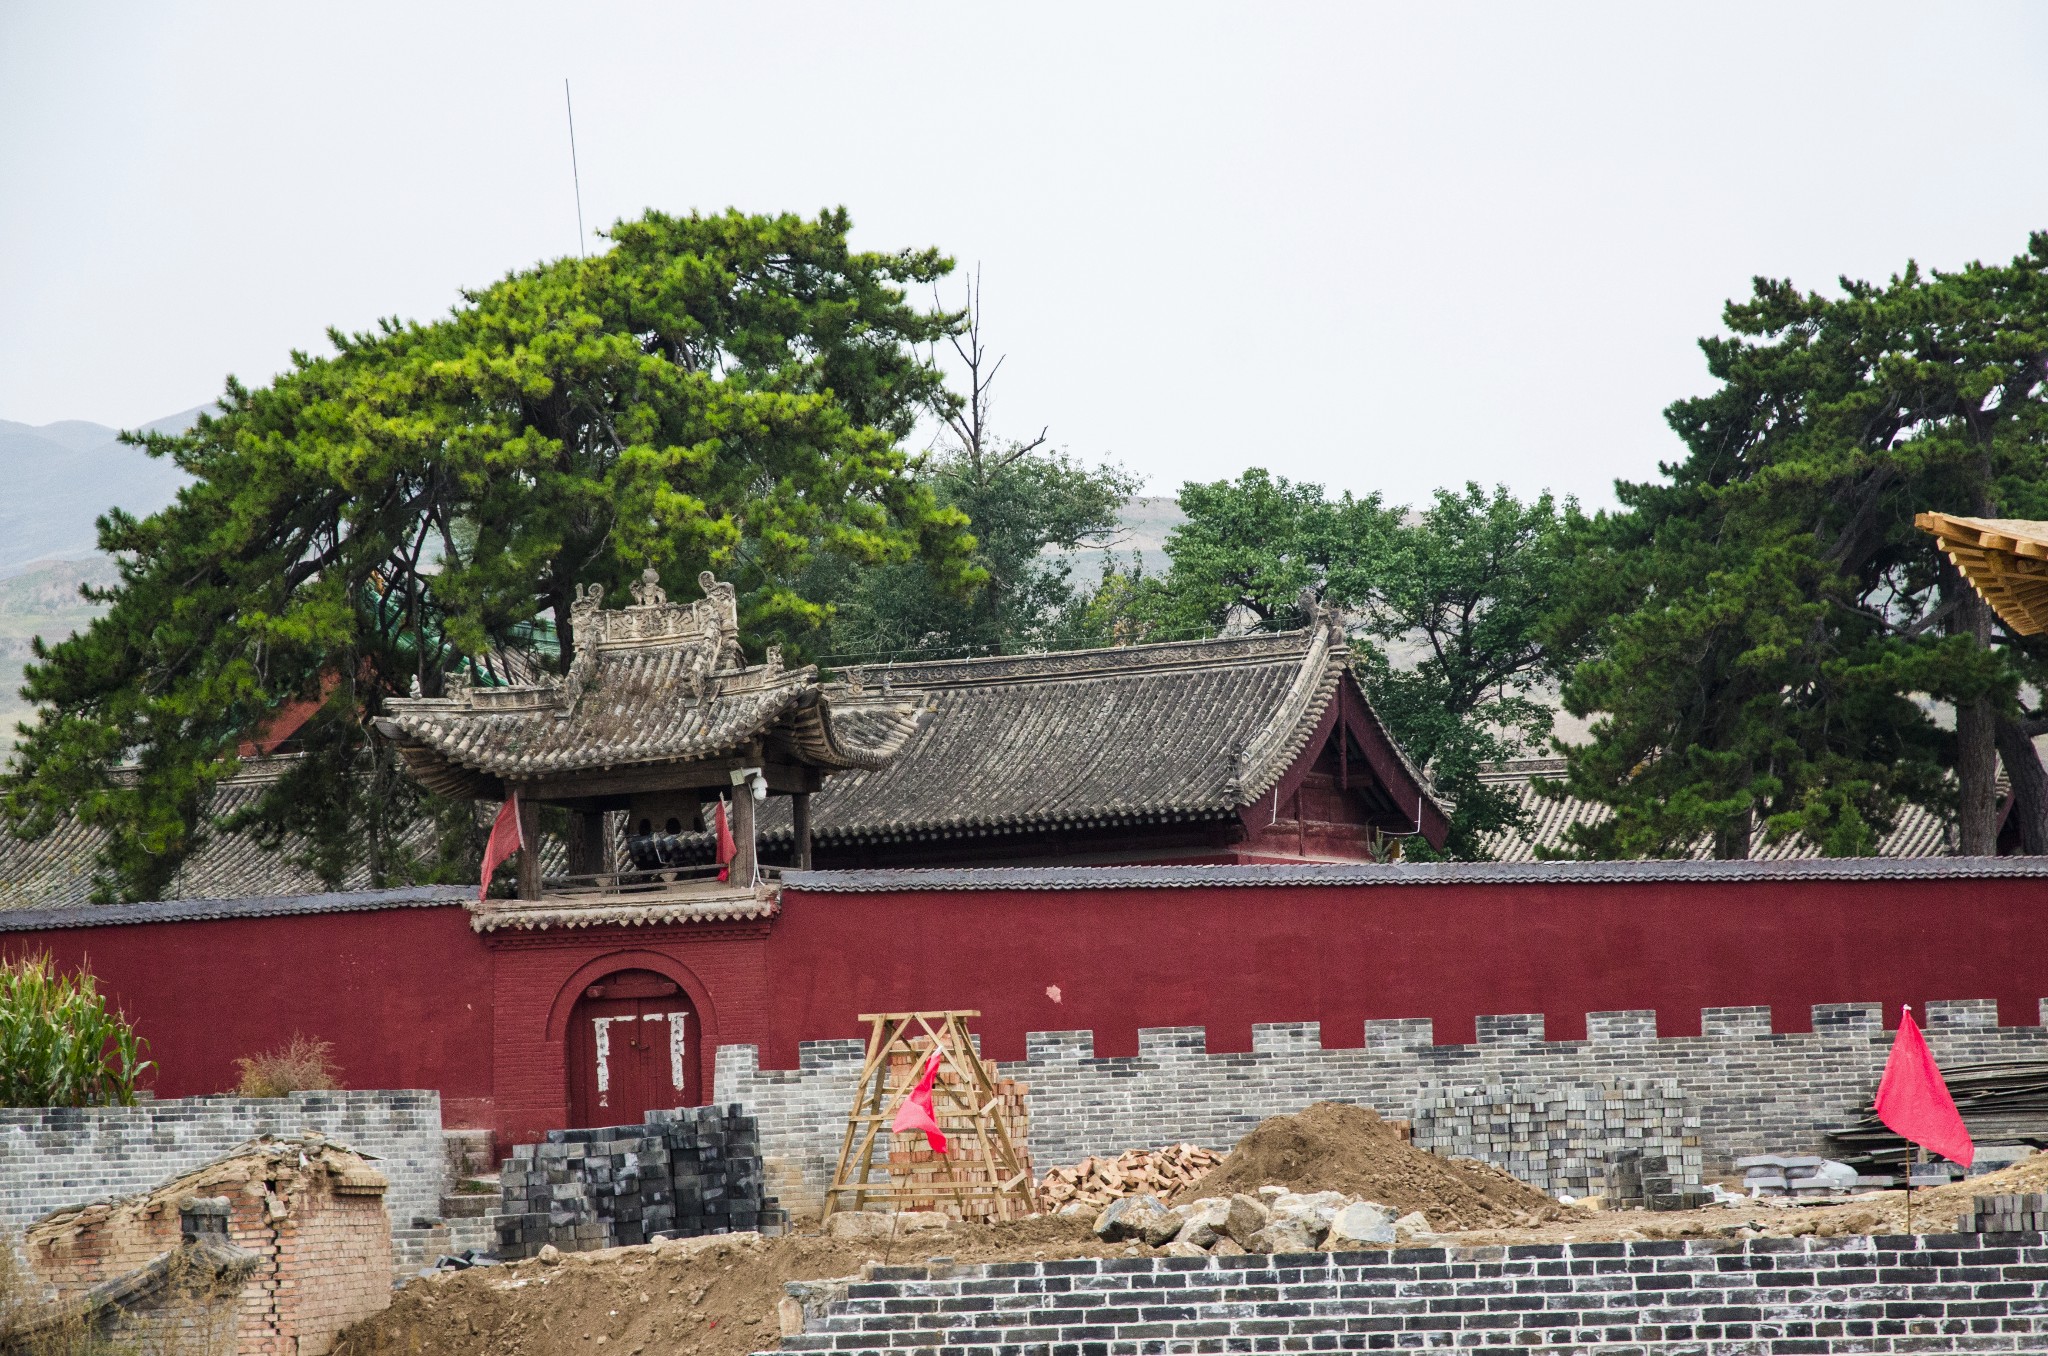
x=59, y=1046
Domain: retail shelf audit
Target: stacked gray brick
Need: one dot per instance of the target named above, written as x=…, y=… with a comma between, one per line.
x=55, y=1157
x=1569, y=1137
x=1753, y=1089
x=685, y=1172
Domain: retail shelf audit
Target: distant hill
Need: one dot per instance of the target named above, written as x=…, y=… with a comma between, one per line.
x=41, y=600
x=61, y=476
x=1142, y=526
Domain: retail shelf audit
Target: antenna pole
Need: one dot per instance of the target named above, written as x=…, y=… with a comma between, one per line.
x=575, y=175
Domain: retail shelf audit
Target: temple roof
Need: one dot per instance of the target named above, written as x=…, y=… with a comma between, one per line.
x=652, y=684
x=1144, y=733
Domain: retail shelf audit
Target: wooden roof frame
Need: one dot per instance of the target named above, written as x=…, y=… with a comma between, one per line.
x=2005, y=560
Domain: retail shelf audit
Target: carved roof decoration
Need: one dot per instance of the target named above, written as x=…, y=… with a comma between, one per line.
x=654, y=683
x=1178, y=731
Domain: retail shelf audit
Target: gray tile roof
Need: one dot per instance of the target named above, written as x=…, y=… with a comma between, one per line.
x=56, y=871
x=653, y=684
x=265, y=906
x=1349, y=874
x=1918, y=833
x=1135, y=734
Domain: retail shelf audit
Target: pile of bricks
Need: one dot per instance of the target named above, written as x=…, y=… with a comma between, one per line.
x=692, y=1171
x=2008, y=1214
x=1563, y=1137
x=716, y=1175
x=1098, y=1181
x=1636, y=1180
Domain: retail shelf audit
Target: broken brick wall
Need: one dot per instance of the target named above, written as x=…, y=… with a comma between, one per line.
x=56, y=1157
x=311, y=1213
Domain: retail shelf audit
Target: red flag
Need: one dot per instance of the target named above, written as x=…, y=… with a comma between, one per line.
x=916, y=1112
x=727, y=850
x=1913, y=1099
x=507, y=837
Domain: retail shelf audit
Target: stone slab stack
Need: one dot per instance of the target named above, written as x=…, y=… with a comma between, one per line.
x=1566, y=1137
x=696, y=1170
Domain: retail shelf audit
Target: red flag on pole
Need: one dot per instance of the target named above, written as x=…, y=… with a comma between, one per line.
x=916, y=1113
x=727, y=849
x=507, y=837
x=1913, y=1098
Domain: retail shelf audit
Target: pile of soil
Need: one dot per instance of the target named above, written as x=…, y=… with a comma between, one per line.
x=715, y=1296
x=1334, y=1147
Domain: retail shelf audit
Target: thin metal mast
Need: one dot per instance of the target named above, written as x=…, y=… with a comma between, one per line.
x=575, y=175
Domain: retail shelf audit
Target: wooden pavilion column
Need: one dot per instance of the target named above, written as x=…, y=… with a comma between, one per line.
x=800, y=824
x=586, y=843
x=529, y=856
x=742, y=872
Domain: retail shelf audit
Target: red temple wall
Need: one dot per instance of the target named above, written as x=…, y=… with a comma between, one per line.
x=411, y=997
x=404, y=995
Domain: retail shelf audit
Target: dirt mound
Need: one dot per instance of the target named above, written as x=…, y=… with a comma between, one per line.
x=715, y=1296
x=1334, y=1147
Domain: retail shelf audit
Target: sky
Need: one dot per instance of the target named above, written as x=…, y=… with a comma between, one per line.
x=1384, y=248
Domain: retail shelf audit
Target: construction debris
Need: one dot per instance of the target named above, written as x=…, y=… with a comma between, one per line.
x=1273, y=1219
x=2001, y=1103
x=1348, y=1149
x=1098, y=1181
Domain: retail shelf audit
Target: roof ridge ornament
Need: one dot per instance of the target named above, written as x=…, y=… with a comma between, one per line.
x=648, y=592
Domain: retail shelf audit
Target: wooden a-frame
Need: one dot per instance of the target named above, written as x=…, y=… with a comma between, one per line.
x=999, y=1172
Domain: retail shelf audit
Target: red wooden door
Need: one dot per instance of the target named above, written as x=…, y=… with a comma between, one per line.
x=632, y=1049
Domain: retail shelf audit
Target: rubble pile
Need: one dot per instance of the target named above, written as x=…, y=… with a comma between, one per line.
x=1273, y=1219
x=1098, y=1181
x=1332, y=1146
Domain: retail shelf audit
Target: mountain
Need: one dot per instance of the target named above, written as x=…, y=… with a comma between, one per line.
x=61, y=476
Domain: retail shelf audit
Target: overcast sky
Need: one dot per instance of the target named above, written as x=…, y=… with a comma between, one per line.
x=1381, y=247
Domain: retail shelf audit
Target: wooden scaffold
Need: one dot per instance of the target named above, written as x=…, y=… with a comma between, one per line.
x=985, y=1173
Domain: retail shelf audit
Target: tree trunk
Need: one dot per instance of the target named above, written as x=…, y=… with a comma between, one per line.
x=2029, y=786
x=1731, y=840
x=1976, y=741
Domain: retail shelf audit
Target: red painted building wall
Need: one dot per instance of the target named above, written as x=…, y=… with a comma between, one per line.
x=411, y=997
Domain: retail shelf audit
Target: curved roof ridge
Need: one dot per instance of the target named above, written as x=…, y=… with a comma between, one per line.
x=1054, y=665
x=1269, y=753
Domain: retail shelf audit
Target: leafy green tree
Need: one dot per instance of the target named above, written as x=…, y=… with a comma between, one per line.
x=1026, y=504
x=1768, y=621
x=59, y=1044
x=1453, y=601
x=726, y=392
x=1457, y=597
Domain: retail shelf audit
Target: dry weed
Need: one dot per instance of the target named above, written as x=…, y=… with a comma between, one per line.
x=302, y=1065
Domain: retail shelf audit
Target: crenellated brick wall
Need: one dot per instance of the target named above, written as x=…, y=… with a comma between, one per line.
x=1753, y=1089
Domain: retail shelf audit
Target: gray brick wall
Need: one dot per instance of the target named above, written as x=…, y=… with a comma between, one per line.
x=55, y=1157
x=1938, y=1294
x=1754, y=1090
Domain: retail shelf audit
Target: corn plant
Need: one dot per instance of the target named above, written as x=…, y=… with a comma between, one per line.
x=59, y=1046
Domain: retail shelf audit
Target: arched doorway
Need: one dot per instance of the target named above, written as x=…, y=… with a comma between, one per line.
x=632, y=1049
